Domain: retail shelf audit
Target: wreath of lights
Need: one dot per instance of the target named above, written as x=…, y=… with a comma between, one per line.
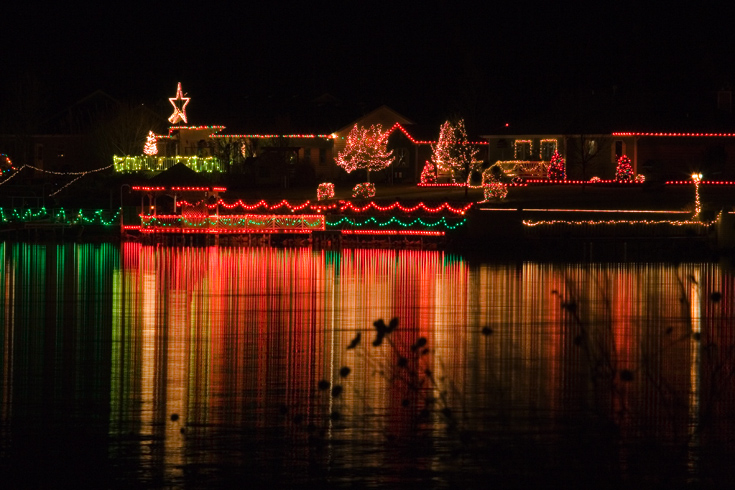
x=364, y=190
x=325, y=191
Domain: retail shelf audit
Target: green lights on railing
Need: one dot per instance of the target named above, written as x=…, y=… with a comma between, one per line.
x=60, y=216
x=394, y=220
x=159, y=164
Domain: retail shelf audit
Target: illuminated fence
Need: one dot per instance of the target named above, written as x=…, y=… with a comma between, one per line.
x=59, y=216
x=145, y=163
x=237, y=224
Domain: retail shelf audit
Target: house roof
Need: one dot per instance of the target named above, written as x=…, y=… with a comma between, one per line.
x=606, y=113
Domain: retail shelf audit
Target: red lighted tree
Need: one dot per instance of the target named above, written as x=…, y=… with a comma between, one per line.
x=624, y=170
x=557, y=167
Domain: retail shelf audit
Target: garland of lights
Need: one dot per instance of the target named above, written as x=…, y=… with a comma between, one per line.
x=366, y=148
x=78, y=175
x=349, y=206
x=58, y=217
x=248, y=207
x=325, y=191
x=364, y=190
x=372, y=220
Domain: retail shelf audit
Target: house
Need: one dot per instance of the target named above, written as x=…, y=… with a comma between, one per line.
x=666, y=137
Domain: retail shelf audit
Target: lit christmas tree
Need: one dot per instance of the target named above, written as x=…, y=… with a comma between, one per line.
x=428, y=174
x=624, y=171
x=557, y=167
x=453, y=151
x=367, y=148
x=150, y=147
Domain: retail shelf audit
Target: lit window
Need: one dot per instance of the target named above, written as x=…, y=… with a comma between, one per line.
x=548, y=147
x=522, y=149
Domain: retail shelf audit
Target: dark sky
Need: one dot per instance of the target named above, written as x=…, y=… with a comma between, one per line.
x=429, y=61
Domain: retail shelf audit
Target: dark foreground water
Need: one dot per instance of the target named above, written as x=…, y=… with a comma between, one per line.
x=155, y=367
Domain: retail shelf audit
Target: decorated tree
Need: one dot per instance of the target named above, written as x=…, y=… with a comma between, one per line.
x=366, y=148
x=150, y=147
x=624, y=170
x=428, y=174
x=453, y=151
x=557, y=167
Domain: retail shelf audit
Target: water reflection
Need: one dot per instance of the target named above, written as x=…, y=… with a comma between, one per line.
x=199, y=367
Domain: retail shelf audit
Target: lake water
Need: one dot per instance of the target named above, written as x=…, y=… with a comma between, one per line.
x=216, y=367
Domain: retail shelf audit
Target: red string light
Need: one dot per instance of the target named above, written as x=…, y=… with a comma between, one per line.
x=393, y=232
x=348, y=205
x=720, y=135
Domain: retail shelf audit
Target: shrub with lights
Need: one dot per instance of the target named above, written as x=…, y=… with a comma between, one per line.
x=495, y=190
x=428, y=174
x=640, y=178
x=557, y=167
x=595, y=180
x=364, y=190
x=624, y=170
x=325, y=191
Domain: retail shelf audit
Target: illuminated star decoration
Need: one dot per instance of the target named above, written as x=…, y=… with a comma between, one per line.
x=179, y=102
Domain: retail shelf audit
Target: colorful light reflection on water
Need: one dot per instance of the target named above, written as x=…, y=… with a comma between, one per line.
x=206, y=367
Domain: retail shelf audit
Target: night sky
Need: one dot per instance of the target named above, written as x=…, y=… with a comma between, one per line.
x=245, y=63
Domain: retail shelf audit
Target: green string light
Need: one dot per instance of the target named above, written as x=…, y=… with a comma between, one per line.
x=394, y=220
x=58, y=217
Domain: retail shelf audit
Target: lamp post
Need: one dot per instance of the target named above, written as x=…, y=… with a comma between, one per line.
x=697, y=178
